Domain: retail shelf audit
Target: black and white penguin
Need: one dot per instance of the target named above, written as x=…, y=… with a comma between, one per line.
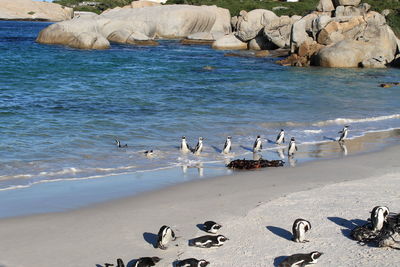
x=165, y=235
x=119, y=144
x=120, y=263
x=192, y=262
x=257, y=144
x=299, y=229
x=199, y=147
x=227, y=146
x=184, y=145
x=343, y=133
x=301, y=259
x=378, y=217
x=292, y=147
x=281, y=137
x=147, y=261
x=209, y=241
x=211, y=227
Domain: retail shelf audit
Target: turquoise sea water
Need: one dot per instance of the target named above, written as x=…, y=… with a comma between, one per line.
x=62, y=108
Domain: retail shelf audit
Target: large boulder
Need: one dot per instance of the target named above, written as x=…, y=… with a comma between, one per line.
x=250, y=24
x=261, y=43
x=301, y=31
x=133, y=25
x=346, y=11
x=325, y=6
x=33, y=10
x=229, y=42
x=279, y=29
x=347, y=2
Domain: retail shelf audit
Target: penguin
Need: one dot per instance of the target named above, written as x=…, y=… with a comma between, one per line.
x=378, y=217
x=208, y=241
x=147, y=261
x=292, y=147
x=119, y=144
x=257, y=144
x=192, y=262
x=165, y=235
x=343, y=133
x=227, y=146
x=281, y=137
x=148, y=153
x=301, y=259
x=211, y=227
x=120, y=263
x=299, y=229
x=199, y=147
x=184, y=146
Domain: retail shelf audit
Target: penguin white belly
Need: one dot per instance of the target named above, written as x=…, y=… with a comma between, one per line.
x=292, y=149
x=302, y=233
x=280, y=140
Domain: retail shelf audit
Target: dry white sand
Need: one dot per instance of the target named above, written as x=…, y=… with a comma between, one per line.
x=257, y=210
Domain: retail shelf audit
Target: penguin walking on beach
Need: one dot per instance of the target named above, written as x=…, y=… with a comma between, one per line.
x=199, y=147
x=192, y=262
x=208, y=241
x=379, y=215
x=118, y=142
x=301, y=259
x=280, y=138
x=184, y=145
x=343, y=133
x=227, y=146
x=299, y=229
x=147, y=261
x=165, y=235
x=120, y=263
x=292, y=147
x=211, y=227
x=257, y=144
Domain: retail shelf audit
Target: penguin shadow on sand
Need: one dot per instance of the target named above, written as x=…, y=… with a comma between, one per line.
x=151, y=239
x=269, y=141
x=348, y=224
x=285, y=234
x=218, y=150
x=247, y=148
x=278, y=260
x=329, y=138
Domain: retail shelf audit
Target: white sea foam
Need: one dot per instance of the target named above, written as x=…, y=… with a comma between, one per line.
x=313, y=131
x=341, y=121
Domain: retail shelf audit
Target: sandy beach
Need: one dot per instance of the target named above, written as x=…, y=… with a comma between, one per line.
x=256, y=209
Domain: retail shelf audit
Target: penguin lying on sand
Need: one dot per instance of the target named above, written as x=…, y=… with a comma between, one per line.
x=147, y=261
x=208, y=241
x=211, y=227
x=301, y=259
x=192, y=262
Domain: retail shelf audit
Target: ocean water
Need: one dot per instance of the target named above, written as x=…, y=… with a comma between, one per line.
x=61, y=109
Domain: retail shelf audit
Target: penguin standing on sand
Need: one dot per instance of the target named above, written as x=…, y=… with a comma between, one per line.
x=343, y=133
x=184, y=146
x=378, y=217
x=292, y=147
x=301, y=259
x=211, y=227
x=119, y=144
x=192, y=262
x=199, y=147
x=208, y=241
x=281, y=137
x=257, y=144
x=299, y=229
x=147, y=261
x=227, y=146
x=165, y=235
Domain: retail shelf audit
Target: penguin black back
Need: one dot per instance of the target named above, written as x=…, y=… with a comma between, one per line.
x=301, y=259
x=192, y=262
x=147, y=261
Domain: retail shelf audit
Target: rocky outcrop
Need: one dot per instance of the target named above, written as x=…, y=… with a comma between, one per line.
x=347, y=2
x=250, y=24
x=137, y=25
x=278, y=30
x=325, y=6
x=229, y=42
x=33, y=10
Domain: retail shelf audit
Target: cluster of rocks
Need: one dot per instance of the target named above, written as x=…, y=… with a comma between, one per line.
x=339, y=33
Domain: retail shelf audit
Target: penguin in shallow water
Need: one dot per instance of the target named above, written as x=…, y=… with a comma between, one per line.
x=119, y=144
x=292, y=147
x=281, y=137
x=299, y=229
x=147, y=261
x=343, y=133
x=199, y=147
x=301, y=259
x=120, y=263
x=192, y=262
x=184, y=145
x=211, y=227
x=208, y=241
x=165, y=235
x=378, y=217
x=148, y=153
x=227, y=146
x=257, y=144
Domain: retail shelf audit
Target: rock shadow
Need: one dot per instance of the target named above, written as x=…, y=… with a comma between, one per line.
x=151, y=238
x=278, y=260
x=349, y=224
x=280, y=232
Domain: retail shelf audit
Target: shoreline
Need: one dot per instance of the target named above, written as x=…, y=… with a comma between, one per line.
x=119, y=228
